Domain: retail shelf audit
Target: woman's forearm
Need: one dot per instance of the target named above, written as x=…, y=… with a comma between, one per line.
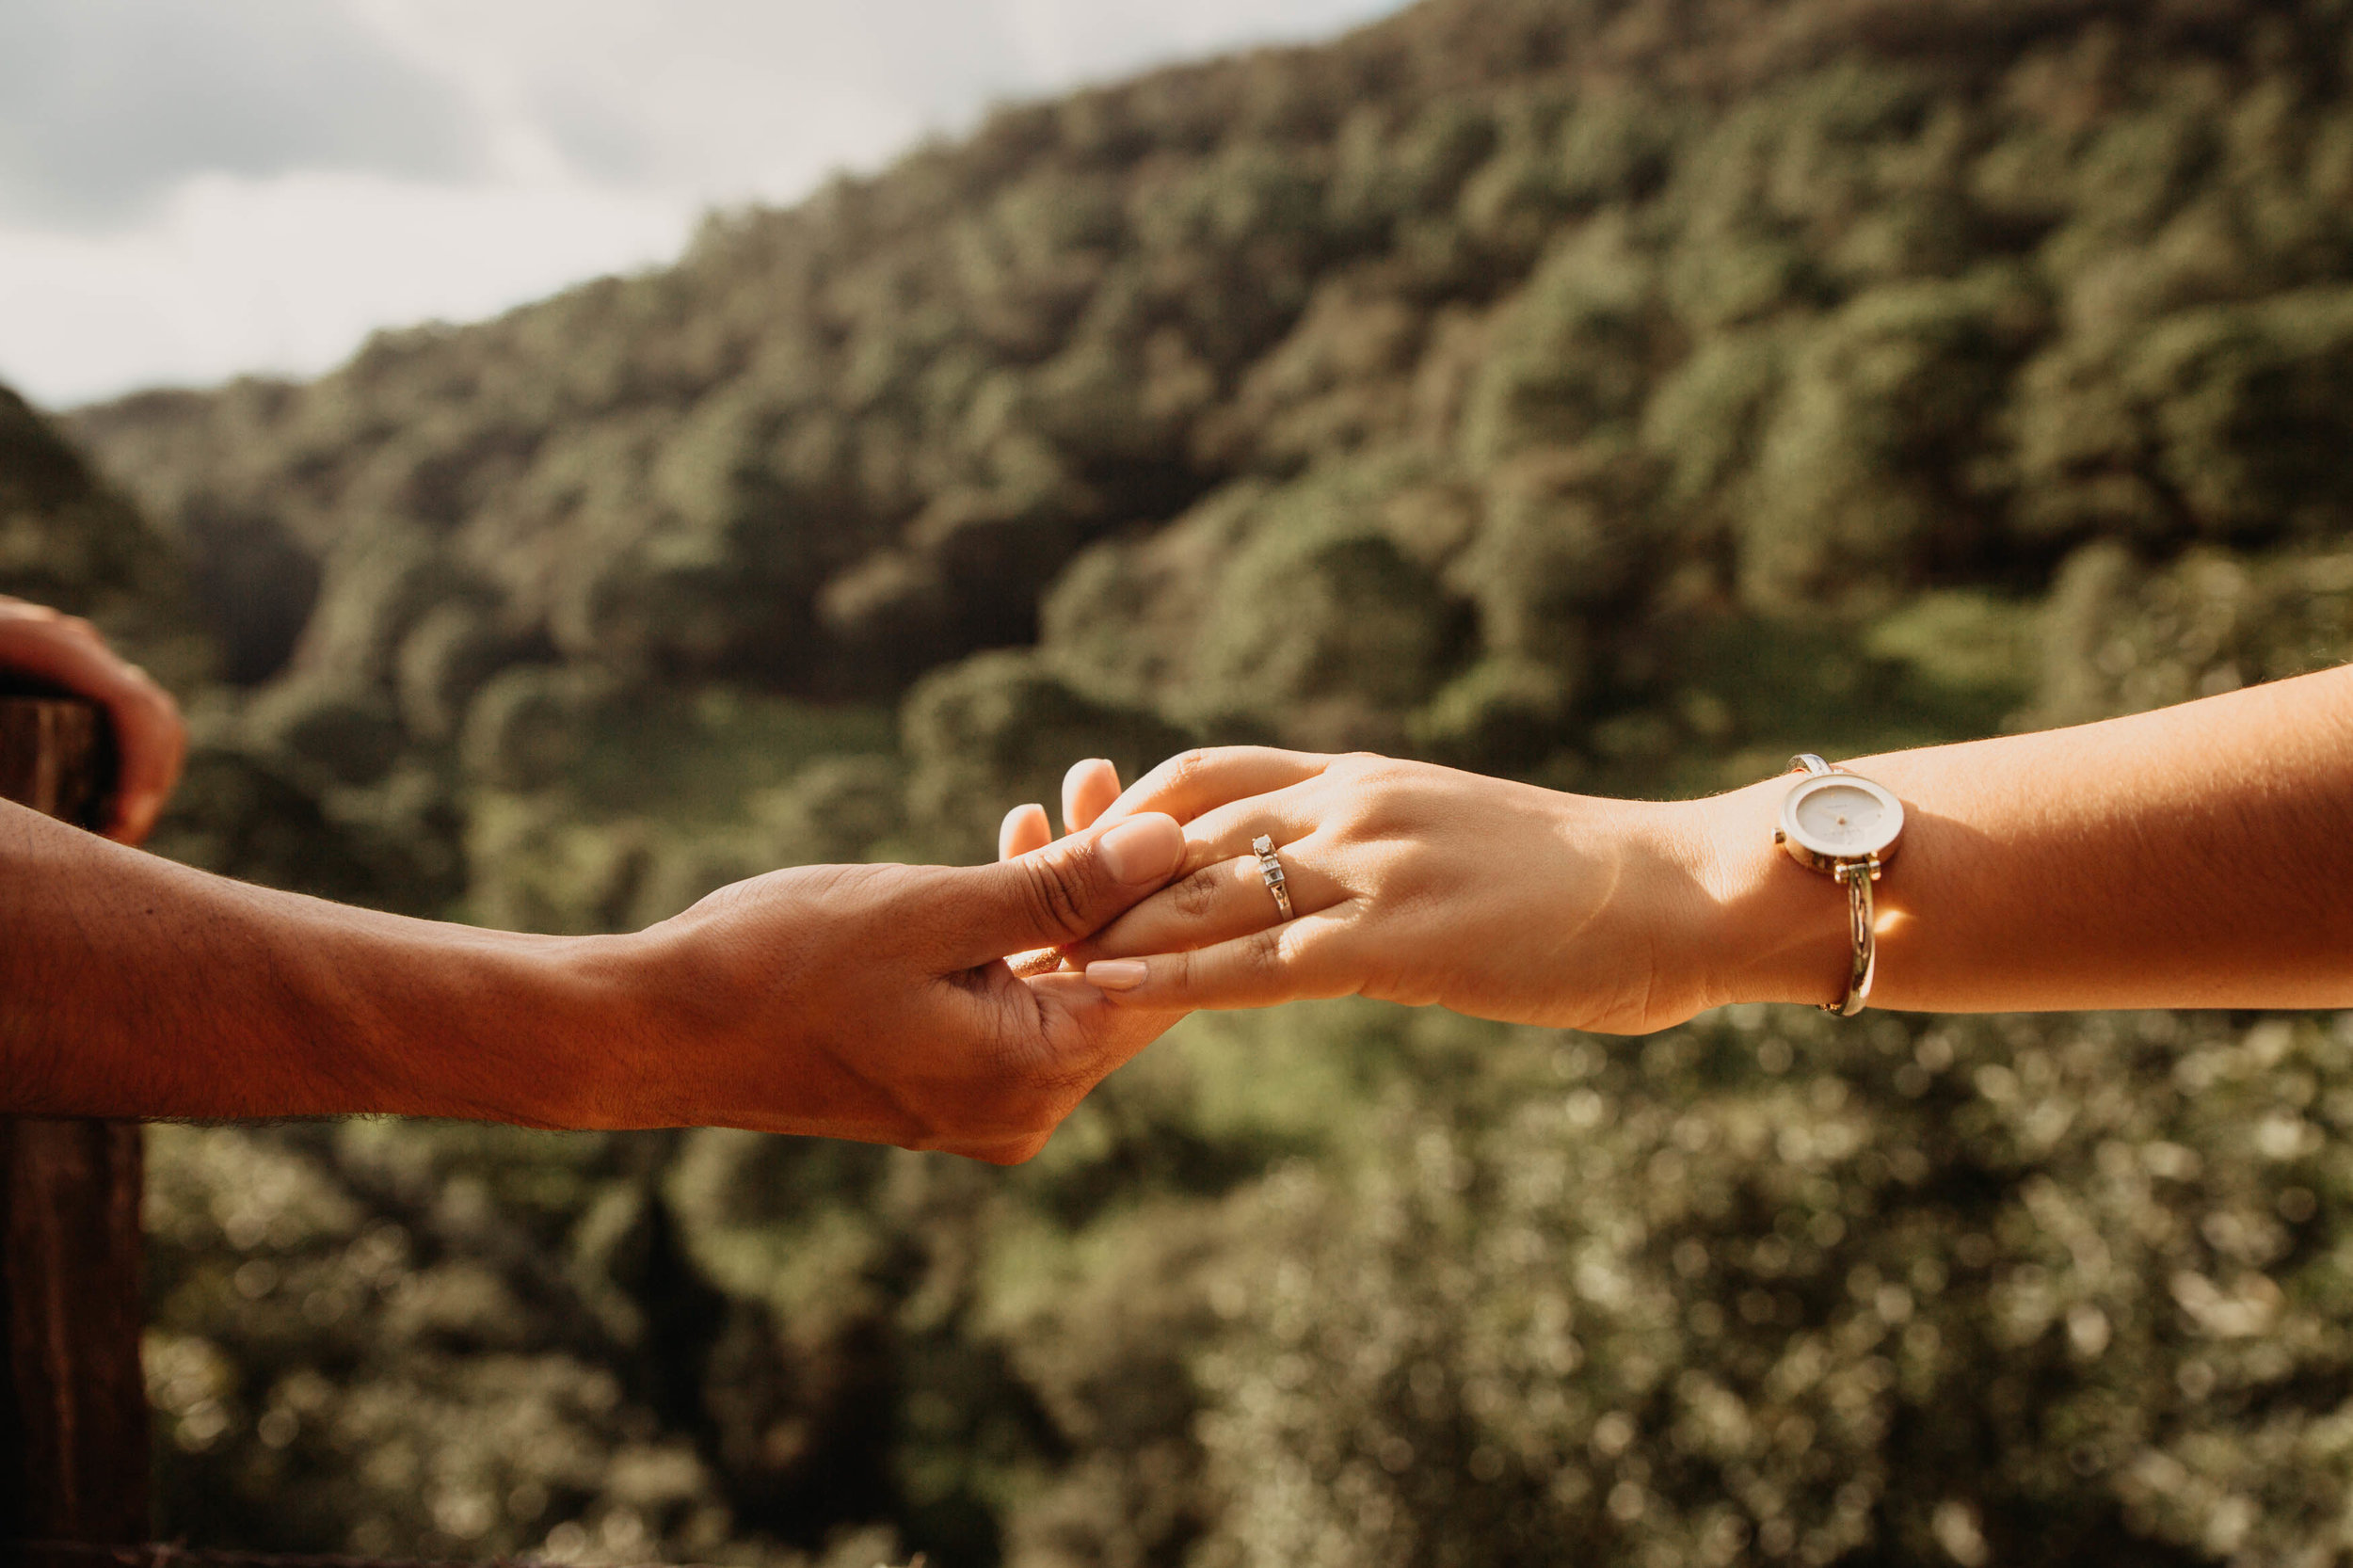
x=2200, y=856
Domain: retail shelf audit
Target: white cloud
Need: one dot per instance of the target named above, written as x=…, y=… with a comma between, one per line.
x=593, y=133
x=288, y=274
x=105, y=104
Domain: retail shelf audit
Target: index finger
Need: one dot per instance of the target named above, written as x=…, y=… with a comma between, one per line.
x=1193, y=782
x=149, y=736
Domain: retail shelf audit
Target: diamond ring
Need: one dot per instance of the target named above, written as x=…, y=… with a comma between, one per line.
x=1271, y=872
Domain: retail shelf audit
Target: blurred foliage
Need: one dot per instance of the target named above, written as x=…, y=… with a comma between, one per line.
x=1977, y=1290
x=1617, y=393
x=70, y=541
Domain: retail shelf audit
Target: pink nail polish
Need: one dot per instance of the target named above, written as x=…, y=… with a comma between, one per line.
x=1117, y=974
x=1140, y=849
x=1017, y=825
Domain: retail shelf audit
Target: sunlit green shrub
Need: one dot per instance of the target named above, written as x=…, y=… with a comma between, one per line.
x=343, y=731
x=998, y=730
x=69, y=541
x=1871, y=476
x=525, y=729
x=449, y=657
x=1573, y=352
x=2058, y=1292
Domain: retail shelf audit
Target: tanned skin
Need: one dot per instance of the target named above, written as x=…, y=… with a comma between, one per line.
x=869, y=1003
x=2200, y=855
x=149, y=739
x=2197, y=856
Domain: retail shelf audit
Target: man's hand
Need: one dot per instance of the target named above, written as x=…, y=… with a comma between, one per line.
x=874, y=1003
x=868, y=1002
x=149, y=739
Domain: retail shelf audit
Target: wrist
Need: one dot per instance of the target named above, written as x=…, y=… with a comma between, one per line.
x=1683, y=924
x=667, y=1030
x=527, y=1030
x=1772, y=930
x=605, y=1058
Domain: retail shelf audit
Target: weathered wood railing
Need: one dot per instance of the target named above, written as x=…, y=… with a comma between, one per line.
x=73, y=1421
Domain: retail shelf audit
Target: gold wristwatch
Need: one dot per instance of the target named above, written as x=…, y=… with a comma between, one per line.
x=1847, y=827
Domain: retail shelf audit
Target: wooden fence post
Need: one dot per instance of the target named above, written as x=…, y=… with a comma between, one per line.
x=73, y=1421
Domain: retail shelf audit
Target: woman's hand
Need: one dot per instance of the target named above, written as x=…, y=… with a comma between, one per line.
x=1088, y=790
x=149, y=739
x=1415, y=884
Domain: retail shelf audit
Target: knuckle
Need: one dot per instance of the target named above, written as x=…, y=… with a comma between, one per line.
x=1263, y=952
x=1184, y=768
x=1382, y=816
x=1056, y=894
x=1197, y=894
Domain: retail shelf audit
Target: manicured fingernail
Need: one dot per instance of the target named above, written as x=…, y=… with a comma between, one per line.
x=1017, y=826
x=1142, y=849
x=1117, y=974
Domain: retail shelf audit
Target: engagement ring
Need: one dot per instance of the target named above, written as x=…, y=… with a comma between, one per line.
x=1271, y=872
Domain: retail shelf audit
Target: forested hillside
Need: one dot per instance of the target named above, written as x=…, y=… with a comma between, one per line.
x=1619, y=394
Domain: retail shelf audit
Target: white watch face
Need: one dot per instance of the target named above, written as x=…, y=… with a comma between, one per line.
x=1842, y=817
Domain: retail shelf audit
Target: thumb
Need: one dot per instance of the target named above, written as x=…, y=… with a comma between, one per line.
x=1070, y=890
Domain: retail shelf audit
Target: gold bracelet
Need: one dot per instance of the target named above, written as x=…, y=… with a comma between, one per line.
x=1847, y=827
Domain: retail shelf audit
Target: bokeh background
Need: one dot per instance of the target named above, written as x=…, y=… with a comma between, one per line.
x=1619, y=394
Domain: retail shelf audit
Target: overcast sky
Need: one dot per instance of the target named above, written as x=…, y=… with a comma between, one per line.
x=193, y=188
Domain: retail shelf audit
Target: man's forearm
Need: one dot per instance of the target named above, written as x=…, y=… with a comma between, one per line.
x=130, y=986
x=2197, y=856
x=850, y=1002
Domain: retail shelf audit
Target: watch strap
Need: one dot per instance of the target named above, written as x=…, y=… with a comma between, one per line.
x=1864, y=950
x=1856, y=876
